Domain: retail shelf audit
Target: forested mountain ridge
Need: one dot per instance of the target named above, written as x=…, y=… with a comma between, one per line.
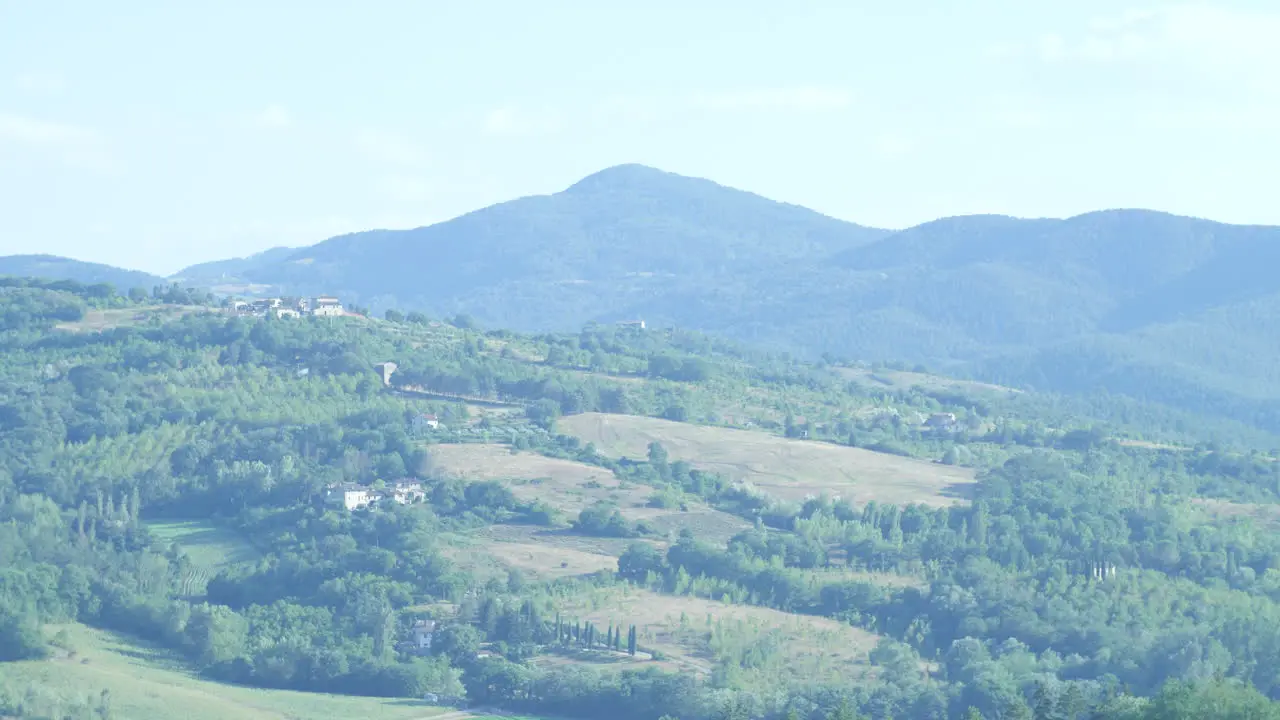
x=60, y=268
x=1076, y=564
x=1160, y=307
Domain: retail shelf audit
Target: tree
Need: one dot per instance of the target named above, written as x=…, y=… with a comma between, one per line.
x=1044, y=704
x=393, y=316
x=640, y=559
x=543, y=413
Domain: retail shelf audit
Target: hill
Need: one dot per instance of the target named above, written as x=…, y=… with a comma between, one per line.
x=229, y=275
x=614, y=244
x=1168, y=309
x=253, y=499
x=144, y=682
x=51, y=267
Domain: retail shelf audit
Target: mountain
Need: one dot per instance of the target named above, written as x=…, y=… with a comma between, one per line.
x=609, y=247
x=1172, y=309
x=221, y=273
x=52, y=267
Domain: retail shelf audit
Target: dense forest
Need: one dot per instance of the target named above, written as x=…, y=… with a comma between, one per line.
x=1087, y=575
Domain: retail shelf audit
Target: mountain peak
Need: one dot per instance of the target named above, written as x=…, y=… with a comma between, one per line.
x=630, y=176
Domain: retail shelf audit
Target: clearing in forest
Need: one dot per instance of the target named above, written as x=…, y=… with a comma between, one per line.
x=695, y=634
x=146, y=683
x=97, y=320
x=571, y=487
x=787, y=469
x=1264, y=514
x=209, y=546
x=538, y=554
x=905, y=380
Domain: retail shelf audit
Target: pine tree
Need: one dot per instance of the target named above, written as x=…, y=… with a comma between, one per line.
x=608, y=639
x=631, y=641
x=135, y=504
x=844, y=711
x=1044, y=703
x=1071, y=703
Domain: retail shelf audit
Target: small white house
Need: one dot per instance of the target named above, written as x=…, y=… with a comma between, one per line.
x=407, y=492
x=351, y=496
x=386, y=370
x=422, y=423
x=423, y=632
x=326, y=306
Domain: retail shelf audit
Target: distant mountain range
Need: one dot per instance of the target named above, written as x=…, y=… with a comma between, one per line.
x=1174, y=309
x=60, y=268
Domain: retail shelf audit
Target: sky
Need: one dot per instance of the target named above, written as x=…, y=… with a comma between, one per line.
x=154, y=135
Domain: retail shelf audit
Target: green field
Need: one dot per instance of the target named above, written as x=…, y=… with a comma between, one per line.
x=786, y=469
x=145, y=683
x=210, y=547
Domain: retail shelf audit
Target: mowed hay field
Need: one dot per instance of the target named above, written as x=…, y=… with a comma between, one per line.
x=97, y=320
x=695, y=633
x=571, y=487
x=146, y=684
x=787, y=469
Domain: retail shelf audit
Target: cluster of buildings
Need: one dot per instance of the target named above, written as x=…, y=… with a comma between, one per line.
x=322, y=306
x=353, y=496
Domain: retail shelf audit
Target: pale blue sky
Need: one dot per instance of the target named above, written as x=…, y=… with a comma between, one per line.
x=153, y=135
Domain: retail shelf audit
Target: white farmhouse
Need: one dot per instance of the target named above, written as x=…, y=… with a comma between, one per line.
x=351, y=496
x=326, y=306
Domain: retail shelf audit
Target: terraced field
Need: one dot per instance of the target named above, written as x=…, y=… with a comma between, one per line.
x=210, y=548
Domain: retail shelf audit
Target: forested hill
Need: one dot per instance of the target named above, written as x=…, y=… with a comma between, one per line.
x=607, y=523
x=60, y=268
x=1163, y=308
x=610, y=246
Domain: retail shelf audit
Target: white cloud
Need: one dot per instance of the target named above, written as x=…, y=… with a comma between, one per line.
x=392, y=149
x=406, y=188
x=76, y=146
x=808, y=98
x=515, y=121
x=1206, y=36
x=31, y=131
x=893, y=145
x=45, y=83
x=274, y=116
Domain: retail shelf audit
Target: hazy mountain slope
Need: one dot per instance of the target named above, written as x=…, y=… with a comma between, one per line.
x=233, y=270
x=611, y=242
x=59, y=268
x=1168, y=308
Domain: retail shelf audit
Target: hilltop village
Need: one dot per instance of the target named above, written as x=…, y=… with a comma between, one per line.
x=321, y=306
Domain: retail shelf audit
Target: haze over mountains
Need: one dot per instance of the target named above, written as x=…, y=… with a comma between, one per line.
x=1169, y=308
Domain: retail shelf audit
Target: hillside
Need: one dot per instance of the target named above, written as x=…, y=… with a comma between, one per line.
x=607, y=248
x=229, y=275
x=51, y=267
x=1165, y=308
x=248, y=516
